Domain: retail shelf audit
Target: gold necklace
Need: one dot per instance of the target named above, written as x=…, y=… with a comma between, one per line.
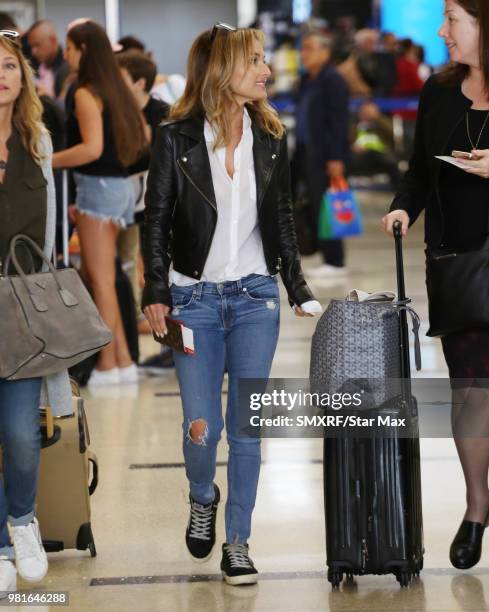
x=474, y=146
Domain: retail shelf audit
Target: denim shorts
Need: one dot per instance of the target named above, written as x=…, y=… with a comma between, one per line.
x=110, y=198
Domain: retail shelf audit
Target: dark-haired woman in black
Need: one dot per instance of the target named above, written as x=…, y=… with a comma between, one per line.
x=454, y=115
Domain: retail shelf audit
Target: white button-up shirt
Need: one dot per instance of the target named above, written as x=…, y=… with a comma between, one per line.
x=236, y=248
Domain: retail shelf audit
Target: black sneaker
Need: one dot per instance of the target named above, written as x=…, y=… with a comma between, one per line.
x=201, y=529
x=236, y=565
x=157, y=364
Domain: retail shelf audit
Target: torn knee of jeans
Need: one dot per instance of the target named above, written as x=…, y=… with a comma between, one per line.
x=198, y=432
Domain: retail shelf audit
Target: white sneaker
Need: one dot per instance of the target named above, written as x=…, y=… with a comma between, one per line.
x=30, y=556
x=129, y=374
x=104, y=377
x=8, y=578
x=327, y=271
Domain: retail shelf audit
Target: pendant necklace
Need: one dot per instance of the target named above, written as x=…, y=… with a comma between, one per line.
x=474, y=146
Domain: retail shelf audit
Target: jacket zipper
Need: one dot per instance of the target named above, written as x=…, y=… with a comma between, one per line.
x=196, y=187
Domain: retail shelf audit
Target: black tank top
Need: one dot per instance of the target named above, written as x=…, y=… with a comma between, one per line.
x=108, y=163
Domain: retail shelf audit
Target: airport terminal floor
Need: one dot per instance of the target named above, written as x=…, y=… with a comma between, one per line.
x=140, y=509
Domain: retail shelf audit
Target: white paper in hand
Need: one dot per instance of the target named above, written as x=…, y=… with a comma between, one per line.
x=452, y=160
x=312, y=307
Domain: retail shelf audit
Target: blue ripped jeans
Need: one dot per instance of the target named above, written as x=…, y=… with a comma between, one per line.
x=236, y=326
x=20, y=439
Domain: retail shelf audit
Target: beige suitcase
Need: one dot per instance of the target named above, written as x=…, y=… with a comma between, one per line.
x=65, y=486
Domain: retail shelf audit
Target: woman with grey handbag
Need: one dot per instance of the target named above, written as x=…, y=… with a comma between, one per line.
x=27, y=205
x=453, y=121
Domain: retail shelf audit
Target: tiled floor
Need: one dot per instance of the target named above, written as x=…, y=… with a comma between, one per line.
x=140, y=510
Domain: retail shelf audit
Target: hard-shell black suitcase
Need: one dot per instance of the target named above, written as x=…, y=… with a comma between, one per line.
x=372, y=488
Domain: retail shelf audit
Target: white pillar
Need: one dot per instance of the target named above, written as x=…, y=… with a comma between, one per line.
x=112, y=19
x=247, y=10
x=41, y=9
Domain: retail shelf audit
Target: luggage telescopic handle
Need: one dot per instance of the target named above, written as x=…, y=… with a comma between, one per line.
x=401, y=295
x=401, y=289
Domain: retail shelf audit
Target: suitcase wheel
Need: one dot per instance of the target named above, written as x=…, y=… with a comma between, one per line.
x=404, y=578
x=335, y=578
x=92, y=549
x=86, y=540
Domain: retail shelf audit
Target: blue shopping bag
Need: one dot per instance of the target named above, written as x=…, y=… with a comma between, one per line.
x=339, y=215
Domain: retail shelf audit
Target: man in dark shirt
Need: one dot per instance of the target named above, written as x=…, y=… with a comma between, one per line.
x=322, y=138
x=45, y=49
x=139, y=72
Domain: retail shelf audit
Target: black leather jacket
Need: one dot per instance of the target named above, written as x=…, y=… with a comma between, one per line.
x=181, y=210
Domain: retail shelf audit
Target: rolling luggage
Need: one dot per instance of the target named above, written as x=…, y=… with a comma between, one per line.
x=372, y=483
x=65, y=484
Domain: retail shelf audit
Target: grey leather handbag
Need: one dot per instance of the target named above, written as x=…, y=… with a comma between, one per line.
x=356, y=346
x=48, y=321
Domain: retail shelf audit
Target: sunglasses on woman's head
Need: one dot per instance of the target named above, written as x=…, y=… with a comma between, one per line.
x=10, y=34
x=224, y=27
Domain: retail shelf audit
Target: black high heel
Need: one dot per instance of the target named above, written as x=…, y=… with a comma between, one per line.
x=466, y=548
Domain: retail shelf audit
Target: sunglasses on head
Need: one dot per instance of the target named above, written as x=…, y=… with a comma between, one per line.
x=10, y=34
x=224, y=27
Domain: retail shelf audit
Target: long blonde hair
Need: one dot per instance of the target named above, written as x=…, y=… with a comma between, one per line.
x=210, y=68
x=27, y=115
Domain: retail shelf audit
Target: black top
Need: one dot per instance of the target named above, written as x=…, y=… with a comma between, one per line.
x=23, y=202
x=154, y=112
x=108, y=163
x=54, y=121
x=464, y=196
x=442, y=110
x=323, y=118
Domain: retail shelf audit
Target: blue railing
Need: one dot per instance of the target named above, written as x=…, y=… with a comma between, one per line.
x=286, y=104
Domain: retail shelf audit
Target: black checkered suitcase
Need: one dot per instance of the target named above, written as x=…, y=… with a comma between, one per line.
x=372, y=484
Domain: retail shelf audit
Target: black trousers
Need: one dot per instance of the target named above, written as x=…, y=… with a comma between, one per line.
x=316, y=182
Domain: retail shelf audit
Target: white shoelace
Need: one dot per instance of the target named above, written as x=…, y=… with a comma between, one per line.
x=27, y=541
x=200, y=521
x=238, y=556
